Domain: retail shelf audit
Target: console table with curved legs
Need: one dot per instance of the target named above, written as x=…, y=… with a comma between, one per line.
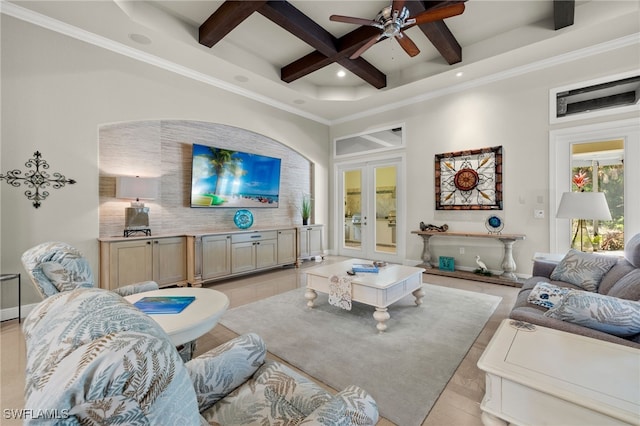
x=508, y=264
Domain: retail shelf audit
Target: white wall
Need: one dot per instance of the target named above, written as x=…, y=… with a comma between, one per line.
x=57, y=91
x=513, y=113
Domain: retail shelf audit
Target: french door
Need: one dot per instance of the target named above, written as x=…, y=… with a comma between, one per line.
x=370, y=210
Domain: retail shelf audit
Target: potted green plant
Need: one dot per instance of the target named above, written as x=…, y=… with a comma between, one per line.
x=305, y=210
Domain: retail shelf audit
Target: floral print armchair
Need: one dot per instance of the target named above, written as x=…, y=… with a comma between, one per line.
x=55, y=267
x=93, y=358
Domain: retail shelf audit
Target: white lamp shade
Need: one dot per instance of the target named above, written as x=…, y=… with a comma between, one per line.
x=584, y=205
x=136, y=187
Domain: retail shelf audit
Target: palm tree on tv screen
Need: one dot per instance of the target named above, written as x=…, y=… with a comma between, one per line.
x=221, y=160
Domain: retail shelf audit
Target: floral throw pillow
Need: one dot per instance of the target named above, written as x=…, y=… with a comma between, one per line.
x=583, y=269
x=619, y=317
x=75, y=273
x=546, y=294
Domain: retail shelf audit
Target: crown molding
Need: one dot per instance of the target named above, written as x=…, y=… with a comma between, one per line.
x=49, y=23
x=607, y=46
x=35, y=18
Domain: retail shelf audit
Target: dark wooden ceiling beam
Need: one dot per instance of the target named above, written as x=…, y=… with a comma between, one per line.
x=437, y=32
x=328, y=48
x=228, y=16
x=563, y=13
x=346, y=45
x=300, y=25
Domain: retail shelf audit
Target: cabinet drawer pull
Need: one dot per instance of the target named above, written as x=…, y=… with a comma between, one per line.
x=148, y=242
x=256, y=236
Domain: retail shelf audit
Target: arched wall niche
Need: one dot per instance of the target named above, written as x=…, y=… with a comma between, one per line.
x=162, y=149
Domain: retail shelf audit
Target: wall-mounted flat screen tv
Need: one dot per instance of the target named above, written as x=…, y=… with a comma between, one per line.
x=226, y=178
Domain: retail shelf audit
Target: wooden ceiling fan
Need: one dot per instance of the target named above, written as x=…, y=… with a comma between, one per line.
x=394, y=19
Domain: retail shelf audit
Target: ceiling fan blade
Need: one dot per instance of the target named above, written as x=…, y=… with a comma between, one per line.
x=397, y=5
x=373, y=40
x=439, y=14
x=352, y=20
x=407, y=44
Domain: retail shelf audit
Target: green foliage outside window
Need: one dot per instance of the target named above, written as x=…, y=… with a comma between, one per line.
x=610, y=234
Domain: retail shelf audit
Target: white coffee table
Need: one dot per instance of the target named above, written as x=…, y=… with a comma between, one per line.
x=542, y=376
x=390, y=284
x=196, y=319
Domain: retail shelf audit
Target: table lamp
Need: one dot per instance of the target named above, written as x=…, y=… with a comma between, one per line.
x=137, y=215
x=583, y=206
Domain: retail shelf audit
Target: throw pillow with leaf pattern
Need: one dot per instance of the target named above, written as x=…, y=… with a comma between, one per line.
x=612, y=315
x=584, y=270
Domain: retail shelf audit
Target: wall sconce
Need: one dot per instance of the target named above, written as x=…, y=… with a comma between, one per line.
x=137, y=216
x=583, y=206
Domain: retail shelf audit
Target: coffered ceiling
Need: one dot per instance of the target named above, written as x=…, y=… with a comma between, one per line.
x=257, y=44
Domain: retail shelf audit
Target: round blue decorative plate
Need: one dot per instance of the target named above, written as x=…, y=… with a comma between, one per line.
x=243, y=219
x=494, y=224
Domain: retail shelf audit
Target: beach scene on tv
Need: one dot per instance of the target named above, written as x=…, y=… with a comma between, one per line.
x=227, y=178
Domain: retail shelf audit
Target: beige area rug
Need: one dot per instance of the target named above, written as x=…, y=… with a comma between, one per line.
x=405, y=369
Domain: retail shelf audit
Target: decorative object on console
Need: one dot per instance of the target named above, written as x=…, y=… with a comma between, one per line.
x=583, y=206
x=137, y=215
x=482, y=268
x=305, y=209
x=227, y=178
x=446, y=263
x=469, y=180
x=494, y=224
x=37, y=179
x=430, y=227
x=243, y=219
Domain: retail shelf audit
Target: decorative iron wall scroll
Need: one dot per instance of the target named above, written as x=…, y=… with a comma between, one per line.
x=37, y=179
x=469, y=180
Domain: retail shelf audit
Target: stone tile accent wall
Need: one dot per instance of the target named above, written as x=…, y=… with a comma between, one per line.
x=162, y=148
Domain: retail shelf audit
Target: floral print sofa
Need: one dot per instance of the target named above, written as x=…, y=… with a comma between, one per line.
x=93, y=358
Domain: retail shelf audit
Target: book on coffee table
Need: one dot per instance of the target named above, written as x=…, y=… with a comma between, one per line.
x=364, y=267
x=164, y=304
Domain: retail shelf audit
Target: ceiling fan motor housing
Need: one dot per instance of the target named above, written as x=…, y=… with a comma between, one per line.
x=392, y=25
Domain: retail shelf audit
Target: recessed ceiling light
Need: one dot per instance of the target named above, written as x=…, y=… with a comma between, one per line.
x=241, y=78
x=459, y=74
x=341, y=73
x=140, y=38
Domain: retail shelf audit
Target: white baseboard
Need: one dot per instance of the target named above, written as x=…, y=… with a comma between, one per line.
x=12, y=313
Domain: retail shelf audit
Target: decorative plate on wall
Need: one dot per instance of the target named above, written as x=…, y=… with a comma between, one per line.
x=494, y=224
x=243, y=219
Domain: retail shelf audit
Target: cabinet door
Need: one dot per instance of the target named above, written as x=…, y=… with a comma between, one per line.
x=130, y=262
x=216, y=256
x=303, y=242
x=315, y=241
x=169, y=260
x=266, y=253
x=243, y=257
x=286, y=246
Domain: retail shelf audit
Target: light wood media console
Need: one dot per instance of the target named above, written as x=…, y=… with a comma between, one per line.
x=197, y=258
